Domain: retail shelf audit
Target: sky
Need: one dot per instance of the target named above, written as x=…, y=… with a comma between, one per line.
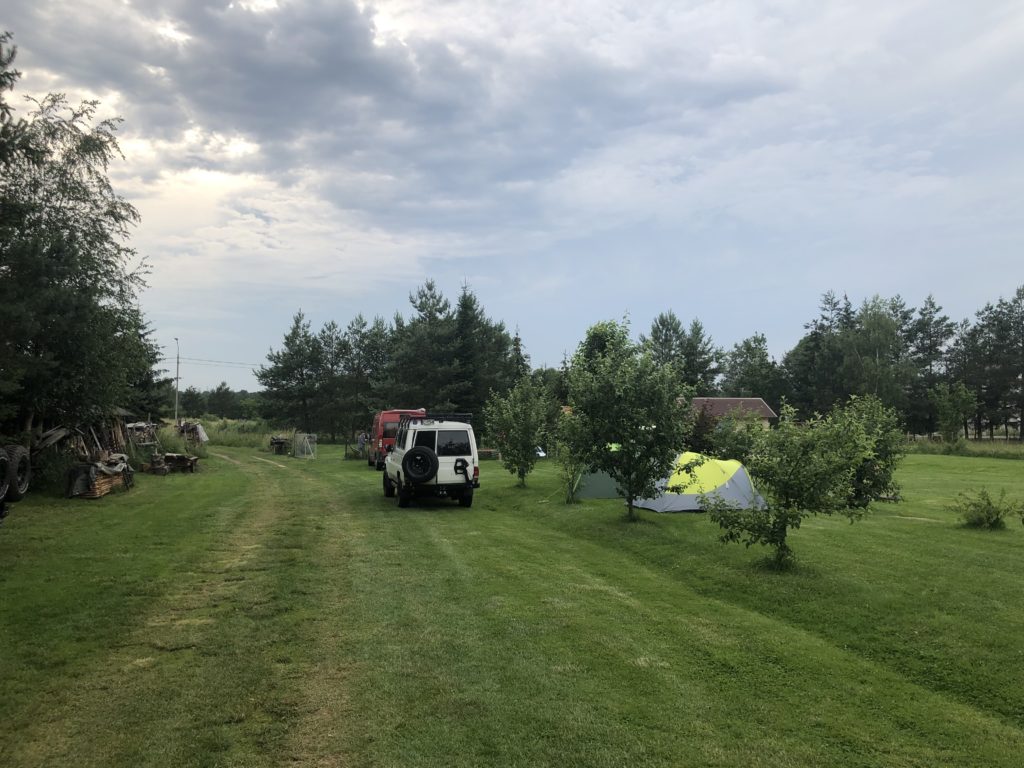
x=570, y=161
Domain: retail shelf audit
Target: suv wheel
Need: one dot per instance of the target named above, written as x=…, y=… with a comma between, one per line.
x=419, y=464
x=404, y=497
x=389, y=487
x=466, y=499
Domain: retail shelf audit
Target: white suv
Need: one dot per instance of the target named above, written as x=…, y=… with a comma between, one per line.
x=433, y=455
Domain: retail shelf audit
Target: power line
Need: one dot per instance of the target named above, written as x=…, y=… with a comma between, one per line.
x=201, y=361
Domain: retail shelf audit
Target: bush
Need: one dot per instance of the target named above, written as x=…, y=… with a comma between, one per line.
x=980, y=510
x=50, y=470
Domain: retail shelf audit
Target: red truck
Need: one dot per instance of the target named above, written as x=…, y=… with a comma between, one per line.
x=385, y=427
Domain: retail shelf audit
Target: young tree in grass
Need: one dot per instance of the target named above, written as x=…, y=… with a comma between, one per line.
x=630, y=416
x=954, y=405
x=515, y=423
x=874, y=477
x=801, y=468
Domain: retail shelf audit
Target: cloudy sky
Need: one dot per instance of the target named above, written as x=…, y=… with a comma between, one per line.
x=571, y=161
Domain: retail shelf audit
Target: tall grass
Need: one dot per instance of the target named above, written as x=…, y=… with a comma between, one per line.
x=990, y=449
x=172, y=442
x=238, y=433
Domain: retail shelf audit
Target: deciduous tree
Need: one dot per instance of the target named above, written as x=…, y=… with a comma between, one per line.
x=515, y=424
x=630, y=416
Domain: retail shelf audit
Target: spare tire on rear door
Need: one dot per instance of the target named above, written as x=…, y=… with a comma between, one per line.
x=20, y=472
x=419, y=465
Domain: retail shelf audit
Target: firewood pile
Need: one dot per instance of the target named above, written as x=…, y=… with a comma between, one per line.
x=92, y=480
x=165, y=463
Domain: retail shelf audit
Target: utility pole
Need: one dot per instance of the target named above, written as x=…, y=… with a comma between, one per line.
x=177, y=376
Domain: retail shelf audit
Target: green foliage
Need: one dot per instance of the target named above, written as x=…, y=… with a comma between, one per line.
x=953, y=406
x=571, y=464
x=441, y=359
x=50, y=470
x=515, y=424
x=874, y=477
x=801, y=468
x=191, y=402
x=749, y=371
x=619, y=395
x=691, y=353
x=735, y=436
x=290, y=379
x=980, y=510
x=74, y=343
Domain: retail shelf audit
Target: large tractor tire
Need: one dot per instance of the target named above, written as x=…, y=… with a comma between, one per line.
x=19, y=472
x=5, y=475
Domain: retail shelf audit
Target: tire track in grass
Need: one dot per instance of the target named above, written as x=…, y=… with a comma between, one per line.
x=207, y=677
x=590, y=648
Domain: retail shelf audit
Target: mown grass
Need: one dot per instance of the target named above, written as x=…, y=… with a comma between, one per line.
x=272, y=611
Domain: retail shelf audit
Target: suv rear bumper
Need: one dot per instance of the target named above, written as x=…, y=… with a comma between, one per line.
x=445, y=489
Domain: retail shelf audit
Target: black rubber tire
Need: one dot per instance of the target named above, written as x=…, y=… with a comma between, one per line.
x=466, y=499
x=5, y=474
x=419, y=465
x=404, y=498
x=19, y=472
x=389, y=487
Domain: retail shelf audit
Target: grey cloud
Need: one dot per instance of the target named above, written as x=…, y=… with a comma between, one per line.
x=308, y=83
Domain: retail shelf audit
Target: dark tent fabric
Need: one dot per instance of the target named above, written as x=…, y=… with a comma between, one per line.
x=597, y=485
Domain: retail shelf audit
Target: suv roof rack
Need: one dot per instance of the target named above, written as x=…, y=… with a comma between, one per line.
x=405, y=418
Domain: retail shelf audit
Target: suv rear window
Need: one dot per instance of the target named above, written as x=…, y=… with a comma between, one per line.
x=425, y=437
x=390, y=428
x=453, y=442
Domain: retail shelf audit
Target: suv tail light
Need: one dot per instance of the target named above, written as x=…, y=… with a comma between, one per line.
x=476, y=473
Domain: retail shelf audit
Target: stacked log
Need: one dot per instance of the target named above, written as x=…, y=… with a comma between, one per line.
x=102, y=485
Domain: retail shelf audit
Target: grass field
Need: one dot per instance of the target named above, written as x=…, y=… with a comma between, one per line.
x=269, y=611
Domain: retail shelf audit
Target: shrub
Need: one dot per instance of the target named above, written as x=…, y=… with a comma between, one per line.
x=980, y=510
x=50, y=469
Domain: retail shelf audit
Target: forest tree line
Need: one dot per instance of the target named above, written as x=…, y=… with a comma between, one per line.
x=451, y=357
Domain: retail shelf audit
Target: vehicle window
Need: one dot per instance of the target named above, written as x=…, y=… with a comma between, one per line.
x=400, y=438
x=390, y=428
x=453, y=442
x=425, y=437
